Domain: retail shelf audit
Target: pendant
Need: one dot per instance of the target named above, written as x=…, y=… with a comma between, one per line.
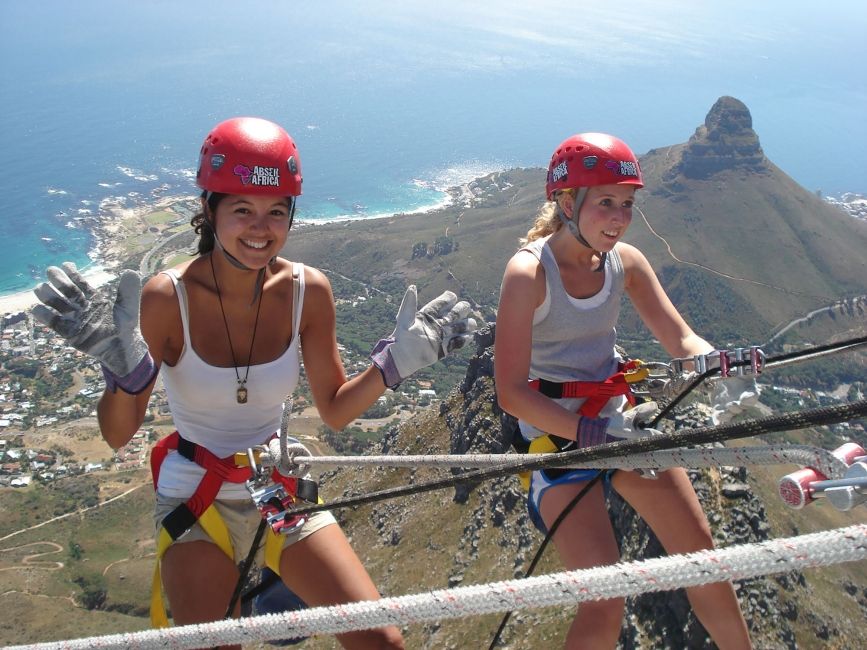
x=241, y=394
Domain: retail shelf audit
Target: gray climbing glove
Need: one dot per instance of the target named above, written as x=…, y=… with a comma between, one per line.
x=731, y=396
x=422, y=337
x=105, y=329
x=619, y=425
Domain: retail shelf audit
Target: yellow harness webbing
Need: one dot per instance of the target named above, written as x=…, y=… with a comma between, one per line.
x=215, y=528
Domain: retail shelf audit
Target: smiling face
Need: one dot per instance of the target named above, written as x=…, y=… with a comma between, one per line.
x=605, y=214
x=252, y=228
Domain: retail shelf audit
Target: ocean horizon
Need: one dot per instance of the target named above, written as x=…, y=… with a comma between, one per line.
x=391, y=106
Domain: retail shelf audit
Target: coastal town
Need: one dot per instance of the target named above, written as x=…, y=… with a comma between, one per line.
x=44, y=384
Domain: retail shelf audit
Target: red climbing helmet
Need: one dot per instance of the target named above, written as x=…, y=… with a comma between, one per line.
x=589, y=159
x=249, y=155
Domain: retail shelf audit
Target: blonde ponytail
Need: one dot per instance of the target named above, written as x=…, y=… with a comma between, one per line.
x=547, y=222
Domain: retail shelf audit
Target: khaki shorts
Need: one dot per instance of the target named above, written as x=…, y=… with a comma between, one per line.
x=242, y=519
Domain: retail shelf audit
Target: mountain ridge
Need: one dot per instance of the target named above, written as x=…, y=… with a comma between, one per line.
x=755, y=235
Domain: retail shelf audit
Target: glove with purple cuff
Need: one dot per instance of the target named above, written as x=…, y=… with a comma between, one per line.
x=422, y=337
x=620, y=425
x=93, y=323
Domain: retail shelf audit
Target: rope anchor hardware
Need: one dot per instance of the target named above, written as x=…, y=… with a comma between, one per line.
x=844, y=493
x=737, y=362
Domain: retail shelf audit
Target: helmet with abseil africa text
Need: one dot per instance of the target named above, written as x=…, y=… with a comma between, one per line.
x=249, y=155
x=591, y=159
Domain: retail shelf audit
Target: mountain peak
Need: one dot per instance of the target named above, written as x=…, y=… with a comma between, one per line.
x=726, y=140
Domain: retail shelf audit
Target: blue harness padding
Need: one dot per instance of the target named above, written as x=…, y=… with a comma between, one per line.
x=275, y=599
x=541, y=482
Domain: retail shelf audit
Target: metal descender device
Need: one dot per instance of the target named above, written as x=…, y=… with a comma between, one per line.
x=662, y=382
x=272, y=498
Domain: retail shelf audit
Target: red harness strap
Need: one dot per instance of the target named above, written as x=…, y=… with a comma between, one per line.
x=217, y=471
x=597, y=392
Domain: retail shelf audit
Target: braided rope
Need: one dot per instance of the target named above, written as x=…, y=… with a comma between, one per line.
x=820, y=459
x=683, y=438
x=566, y=588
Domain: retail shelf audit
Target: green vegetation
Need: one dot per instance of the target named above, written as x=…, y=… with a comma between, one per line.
x=36, y=503
x=93, y=592
x=349, y=441
x=163, y=216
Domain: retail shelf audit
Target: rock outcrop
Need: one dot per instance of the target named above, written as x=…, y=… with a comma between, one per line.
x=726, y=140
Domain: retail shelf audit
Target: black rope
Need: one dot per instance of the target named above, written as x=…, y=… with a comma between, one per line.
x=264, y=583
x=548, y=537
x=244, y=570
x=686, y=391
x=683, y=438
x=840, y=346
x=861, y=340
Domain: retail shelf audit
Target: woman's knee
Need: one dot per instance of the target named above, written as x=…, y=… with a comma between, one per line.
x=697, y=537
x=604, y=613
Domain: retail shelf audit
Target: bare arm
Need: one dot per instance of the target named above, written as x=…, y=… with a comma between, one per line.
x=655, y=307
x=523, y=289
x=121, y=414
x=338, y=399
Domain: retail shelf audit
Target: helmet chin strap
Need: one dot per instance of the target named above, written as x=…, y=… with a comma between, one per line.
x=572, y=225
x=234, y=261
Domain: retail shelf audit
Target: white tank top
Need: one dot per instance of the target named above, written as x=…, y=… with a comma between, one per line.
x=204, y=405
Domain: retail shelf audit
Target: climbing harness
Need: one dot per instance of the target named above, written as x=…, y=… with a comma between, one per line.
x=597, y=394
x=199, y=508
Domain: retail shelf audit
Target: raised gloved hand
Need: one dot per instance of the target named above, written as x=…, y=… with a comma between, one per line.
x=619, y=425
x=105, y=329
x=422, y=337
x=731, y=396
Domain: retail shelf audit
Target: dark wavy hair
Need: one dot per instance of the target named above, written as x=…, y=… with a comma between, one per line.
x=203, y=227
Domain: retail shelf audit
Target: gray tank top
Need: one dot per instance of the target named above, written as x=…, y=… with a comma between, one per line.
x=575, y=339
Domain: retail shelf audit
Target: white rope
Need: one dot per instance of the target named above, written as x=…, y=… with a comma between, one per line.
x=567, y=588
x=820, y=459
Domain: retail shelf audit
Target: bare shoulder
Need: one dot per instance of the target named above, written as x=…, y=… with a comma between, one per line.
x=158, y=289
x=316, y=282
x=523, y=263
x=629, y=254
x=635, y=263
x=319, y=306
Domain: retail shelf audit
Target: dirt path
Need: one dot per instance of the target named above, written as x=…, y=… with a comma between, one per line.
x=29, y=561
x=76, y=512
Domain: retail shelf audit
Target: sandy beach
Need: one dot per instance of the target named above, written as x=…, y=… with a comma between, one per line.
x=116, y=225
x=23, y=300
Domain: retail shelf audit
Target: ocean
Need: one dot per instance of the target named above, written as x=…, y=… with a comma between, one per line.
x=107, y=102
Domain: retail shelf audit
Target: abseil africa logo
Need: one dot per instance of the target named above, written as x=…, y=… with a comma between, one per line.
x=257, y=175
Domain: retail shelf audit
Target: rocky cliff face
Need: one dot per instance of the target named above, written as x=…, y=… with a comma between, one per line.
x=771, y=605
x=726, y=140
